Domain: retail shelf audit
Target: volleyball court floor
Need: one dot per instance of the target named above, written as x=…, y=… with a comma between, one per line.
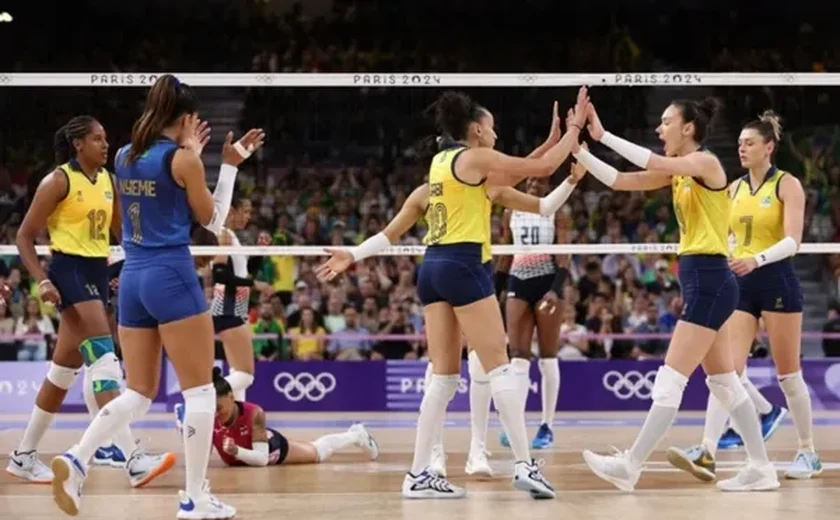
x=351, y=486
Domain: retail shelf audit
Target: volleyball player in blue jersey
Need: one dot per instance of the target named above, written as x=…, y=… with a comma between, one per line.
x=161, y=181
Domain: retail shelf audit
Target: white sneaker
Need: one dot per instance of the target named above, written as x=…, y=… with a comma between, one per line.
x=615, y=469
x=70, y=475
x=29, y=467
x=805, y=465
x=528, y=477
x=752, y=478
x=438, y=464
x=477, y=463
x=429, y=485
x=142, y=468
x=366, y=440
x=205, y=507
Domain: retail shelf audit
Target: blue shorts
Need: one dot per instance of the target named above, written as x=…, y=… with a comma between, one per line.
x=159, y=286
x=710, y=290
x=454, y=274
x=771, y=288
x=78, y=278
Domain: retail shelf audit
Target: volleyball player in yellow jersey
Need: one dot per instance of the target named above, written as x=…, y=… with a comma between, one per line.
x=710, y=290
x=77, y=204
x=455, y=284
x=768, y=210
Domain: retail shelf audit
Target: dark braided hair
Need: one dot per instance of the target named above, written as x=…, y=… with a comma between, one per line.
x=167, y=100
x=76, y=128
x=220, y=383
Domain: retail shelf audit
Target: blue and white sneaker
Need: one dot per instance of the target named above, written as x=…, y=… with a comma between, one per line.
x=109, y=456
x=428, y=485
x=204, y=507
x=70, y=475
x=770, y=422
x=544, y=438
x=180, y=410
x=527, y=476
x=805, y=465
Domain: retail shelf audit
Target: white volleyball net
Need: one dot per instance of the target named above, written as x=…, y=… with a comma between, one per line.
x=344, y=150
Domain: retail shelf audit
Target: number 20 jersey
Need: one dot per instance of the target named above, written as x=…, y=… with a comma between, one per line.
x=154, y=208
x=458, y=212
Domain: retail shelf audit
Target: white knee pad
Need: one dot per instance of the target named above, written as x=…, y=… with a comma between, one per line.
x=62, y=377
x=440, y=387
x=477, y=373
x=727, y=389
x=668, y=387
x=106, y=368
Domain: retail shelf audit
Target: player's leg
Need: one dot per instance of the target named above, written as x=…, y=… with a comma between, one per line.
x=323, y=448
x=481, y=322
x=62, y=373
x=549, y=320
x=438, y=463
x=480, y=396
x=443, y=339
x=520, y=325
x=785, y=331
x=239, y=352
x=699, y=460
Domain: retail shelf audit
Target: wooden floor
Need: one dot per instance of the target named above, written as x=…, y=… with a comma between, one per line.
x=349, y=486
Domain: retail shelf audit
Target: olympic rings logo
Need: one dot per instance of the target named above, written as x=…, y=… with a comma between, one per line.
x=631, y=384
x=304, y=386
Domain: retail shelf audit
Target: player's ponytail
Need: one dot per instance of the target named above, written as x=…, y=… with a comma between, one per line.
x=768, y=125
x=76, y=128
x=167, y=100
x=701, y=113
x=220, y=383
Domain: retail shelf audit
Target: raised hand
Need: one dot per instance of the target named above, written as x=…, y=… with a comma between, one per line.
x=235, y=154
x=596, y=129
x=340, y=260
x=555, y=133
x=579, y=170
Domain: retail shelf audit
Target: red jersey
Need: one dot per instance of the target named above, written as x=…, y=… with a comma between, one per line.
x=240, y=431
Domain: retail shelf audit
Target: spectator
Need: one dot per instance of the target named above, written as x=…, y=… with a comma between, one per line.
x=831, y=347
x=347, y=345
x=396, y=324
x=369, y=317
x=310, y=347
x=649, y=348
x=574, y=343
x=32, y=322
x=269, y=323
x=7, y=331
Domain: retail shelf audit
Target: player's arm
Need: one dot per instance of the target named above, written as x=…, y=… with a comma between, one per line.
x=410, y=212
x=258, y=454
x=793, y=199
x=628, y=181
x=50, y=192
x=210, y=209
x=116, y=216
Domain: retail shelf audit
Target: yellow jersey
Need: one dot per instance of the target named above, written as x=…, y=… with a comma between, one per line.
x=757, y=219
x=458, y=212
x=81, y=223
x=703, y=216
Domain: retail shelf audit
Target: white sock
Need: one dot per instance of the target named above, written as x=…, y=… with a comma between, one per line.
x=329, y=444
x=39, y=423
x=427, y=380
x=506, y=386
x=239, y=383
x=522, y=368
x=799, y=404
x=761, y=403
x=716, y=417
x=668, y=389
x=92, y=405
x=117, y=414
x=550, y=387
x=199, y=412
x=480, y=396
x=124, y=440
x=743, y=413
x=440, y=391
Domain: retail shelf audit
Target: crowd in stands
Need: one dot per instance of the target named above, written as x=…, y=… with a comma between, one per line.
x=340, y=162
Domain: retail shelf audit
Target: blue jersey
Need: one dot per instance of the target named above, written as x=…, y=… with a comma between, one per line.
x=154, y=208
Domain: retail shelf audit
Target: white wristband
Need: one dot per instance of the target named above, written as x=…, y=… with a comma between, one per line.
x=371, y=247
x=598, y=168
x=634, y=153
x=782, y=249
x=244, y=152
x=552, y=202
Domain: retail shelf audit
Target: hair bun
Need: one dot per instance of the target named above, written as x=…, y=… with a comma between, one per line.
x=710, y=107
x=217, y=373
x=773, y=119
